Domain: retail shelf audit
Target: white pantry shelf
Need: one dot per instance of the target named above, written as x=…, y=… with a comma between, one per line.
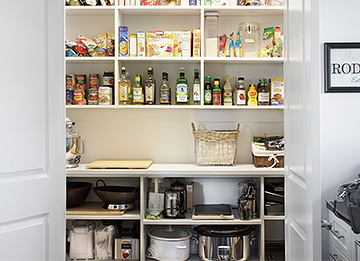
x=90, y=59
x=174, y=107
x=246, y=10
x=246, y=60
x=179, y=170
x=89, y=10
x=160, y=10
x=160, y=59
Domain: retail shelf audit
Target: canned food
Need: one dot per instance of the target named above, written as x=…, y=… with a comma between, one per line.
x=79, y=97
x=81, y=78
x=108, y=78
x=93, y=97
x=105, y=95
x=69, y=97
x=70, y=81
x=80, y=86
x=94, y=81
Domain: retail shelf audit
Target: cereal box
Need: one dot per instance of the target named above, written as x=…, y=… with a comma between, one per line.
x=159, y=44
x=177, y=44
x=277, y=91
x=186, y=43
x=196, y=43
x=141, y=36
x=123, y=41
x=132, y=45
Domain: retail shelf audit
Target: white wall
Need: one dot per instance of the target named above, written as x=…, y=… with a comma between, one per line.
x=339, y=113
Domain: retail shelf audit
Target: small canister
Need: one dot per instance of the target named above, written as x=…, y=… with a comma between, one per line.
x=70, y=81
x=79, y=97
x=81, y=78
x=93, y=97
x=94, y=81
x=250, y=38
x=69, y=97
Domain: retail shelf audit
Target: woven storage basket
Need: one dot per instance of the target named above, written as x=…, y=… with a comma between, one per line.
x=267, y=159
x=215, y=147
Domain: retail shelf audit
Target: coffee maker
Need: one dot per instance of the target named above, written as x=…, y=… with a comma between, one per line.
x=175, y=200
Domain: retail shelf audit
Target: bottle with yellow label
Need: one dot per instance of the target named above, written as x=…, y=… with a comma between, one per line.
x=123, y=88
x=252, y=96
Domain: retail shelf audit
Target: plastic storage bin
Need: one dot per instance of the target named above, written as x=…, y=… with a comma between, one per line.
x=211, y=34
x=104, y=238
x=81, y=239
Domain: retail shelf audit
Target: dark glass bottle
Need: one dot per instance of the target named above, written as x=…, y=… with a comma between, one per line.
x=150, y=88
x=208, y=91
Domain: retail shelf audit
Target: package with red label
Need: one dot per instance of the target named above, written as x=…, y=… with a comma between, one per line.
x=149, y=2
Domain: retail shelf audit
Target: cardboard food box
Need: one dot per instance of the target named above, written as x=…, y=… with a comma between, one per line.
x=196, y=43
x=277, y=91
x=159, y=44
x=186, y=44
x=177, y=44
x=123, y=41
x=132, y=45
x=141, y=44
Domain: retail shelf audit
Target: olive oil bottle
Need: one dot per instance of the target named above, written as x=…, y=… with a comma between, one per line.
x=124, y=84
x=165, y=91
x=138, y=91
x=182, y=89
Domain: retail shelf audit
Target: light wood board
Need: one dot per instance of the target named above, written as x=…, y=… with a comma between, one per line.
x=120, y=164
x=92, y=208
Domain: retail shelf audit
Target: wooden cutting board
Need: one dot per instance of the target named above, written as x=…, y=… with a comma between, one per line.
x=120, y=164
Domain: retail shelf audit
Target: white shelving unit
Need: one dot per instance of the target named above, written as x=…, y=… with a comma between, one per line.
x=163, y=133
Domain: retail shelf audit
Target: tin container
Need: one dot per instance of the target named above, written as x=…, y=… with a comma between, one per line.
x=69, y=97
x=70, y=81
x=79, y=97
x=93, y=97
x=105, y=95
x=94, y=81
x=81, y=78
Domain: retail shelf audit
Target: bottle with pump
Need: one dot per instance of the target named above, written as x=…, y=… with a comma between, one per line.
x=252, y=96
x=227, y=91
x=208, y=91
x=196, y=88
x=217, y=93
x=240, y=92
x=123, y=88
x=138, y=91
x=150, y=88
x=182, y=89
x=263, y=95
x=165, y=91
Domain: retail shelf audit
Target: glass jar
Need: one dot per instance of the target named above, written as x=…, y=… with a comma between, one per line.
x=250, y=39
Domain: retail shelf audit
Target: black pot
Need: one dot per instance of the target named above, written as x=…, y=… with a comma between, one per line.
x=76, y=193
x=116, y=194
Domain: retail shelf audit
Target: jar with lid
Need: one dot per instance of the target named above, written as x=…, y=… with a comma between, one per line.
x=211, y=34
x=250, y=38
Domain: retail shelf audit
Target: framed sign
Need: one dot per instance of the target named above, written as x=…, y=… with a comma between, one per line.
x=342, y=67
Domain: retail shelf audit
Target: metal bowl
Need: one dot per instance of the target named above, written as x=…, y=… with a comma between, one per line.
x=76, y=194
x=116, y=194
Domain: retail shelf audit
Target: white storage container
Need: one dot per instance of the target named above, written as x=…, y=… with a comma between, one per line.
x=211, y=34
x=81, y=239
x=104, y=238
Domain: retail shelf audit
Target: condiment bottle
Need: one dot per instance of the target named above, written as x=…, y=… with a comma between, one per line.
x=196, y=88
x=165, y=91
x=123, y=87
x=138, y=91
x=208, y=91
x=227, y=91
x=182, y=89
x=150, y=87
x=252, y=96
x=263, y=95
x=217, y=92
x=240, y=92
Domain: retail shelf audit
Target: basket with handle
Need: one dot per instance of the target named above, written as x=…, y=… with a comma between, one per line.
x=215, y=147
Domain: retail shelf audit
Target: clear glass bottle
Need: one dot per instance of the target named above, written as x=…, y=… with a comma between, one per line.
x=196, y=88
x=165, y=91
x=150, y=88
x=240, y=92
x=138, y=91
x=123, y=88
x=208, y=91
x=227, y=91
x=182, y=89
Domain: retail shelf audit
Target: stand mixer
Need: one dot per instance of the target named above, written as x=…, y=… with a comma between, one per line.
x=73, y=144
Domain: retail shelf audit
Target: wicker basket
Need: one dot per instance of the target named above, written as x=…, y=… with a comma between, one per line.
x=267, y=159
x=215, y=147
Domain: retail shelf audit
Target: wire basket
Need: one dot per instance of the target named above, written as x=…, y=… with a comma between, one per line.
x=215, y=147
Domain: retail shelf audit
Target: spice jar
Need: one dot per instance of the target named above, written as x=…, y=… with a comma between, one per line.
x=250, y=38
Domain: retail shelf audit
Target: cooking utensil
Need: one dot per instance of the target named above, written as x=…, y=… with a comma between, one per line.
x=116, y=194
x=213, y=238
x=75, y=146
x=169, y=244
x=76, y=193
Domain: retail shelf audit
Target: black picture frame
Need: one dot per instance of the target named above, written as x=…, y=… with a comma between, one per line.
x=331, y=69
